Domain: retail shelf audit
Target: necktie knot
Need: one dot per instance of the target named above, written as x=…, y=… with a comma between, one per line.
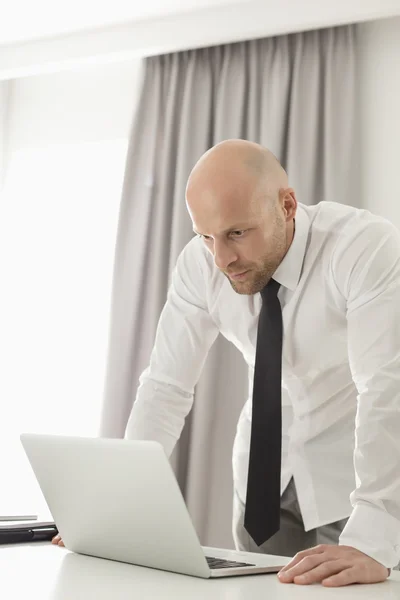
x=271, y=289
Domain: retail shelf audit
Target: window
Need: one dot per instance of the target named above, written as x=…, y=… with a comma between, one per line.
x=58, y=220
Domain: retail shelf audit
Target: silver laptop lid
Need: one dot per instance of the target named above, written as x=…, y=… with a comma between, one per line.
x=116, y=499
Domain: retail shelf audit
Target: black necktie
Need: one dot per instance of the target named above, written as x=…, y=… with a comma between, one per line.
x=262, y=513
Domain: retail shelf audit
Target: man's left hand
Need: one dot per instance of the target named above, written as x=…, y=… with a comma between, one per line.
x=333, y=566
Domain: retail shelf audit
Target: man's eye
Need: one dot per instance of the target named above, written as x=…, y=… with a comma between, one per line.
x=238, y=233
x=205, y=237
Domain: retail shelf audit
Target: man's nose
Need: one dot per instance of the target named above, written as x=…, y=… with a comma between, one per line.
x=223, y=255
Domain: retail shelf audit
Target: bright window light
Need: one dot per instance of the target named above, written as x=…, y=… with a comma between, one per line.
x=58, y=222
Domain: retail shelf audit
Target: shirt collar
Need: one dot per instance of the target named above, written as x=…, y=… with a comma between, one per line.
x=289, y=271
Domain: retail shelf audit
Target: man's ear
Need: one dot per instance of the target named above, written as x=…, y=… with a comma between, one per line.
x=289, y=202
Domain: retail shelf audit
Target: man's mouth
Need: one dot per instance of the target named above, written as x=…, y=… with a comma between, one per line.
x=240, y=275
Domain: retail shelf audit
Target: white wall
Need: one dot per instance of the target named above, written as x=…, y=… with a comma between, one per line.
x=86, y=104
x=46, y=18
x=379, y=60
x=198, y=25
x=4, y=103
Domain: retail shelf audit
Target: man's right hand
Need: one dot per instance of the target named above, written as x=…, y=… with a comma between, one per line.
x=57, y=541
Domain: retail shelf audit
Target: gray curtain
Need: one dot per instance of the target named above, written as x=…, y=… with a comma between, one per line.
x=294, y=94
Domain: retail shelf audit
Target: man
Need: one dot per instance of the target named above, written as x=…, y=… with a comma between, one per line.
x=311, y=297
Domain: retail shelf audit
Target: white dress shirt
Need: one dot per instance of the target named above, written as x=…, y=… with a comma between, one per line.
x=340, y=297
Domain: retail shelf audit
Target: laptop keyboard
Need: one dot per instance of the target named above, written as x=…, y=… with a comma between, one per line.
x=220, y=563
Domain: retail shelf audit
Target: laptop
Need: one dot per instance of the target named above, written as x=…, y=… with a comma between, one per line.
x=119, y=500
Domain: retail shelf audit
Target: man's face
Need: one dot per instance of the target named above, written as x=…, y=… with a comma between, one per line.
x=248, y=239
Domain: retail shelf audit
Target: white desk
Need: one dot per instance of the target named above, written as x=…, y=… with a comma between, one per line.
x=46, y=572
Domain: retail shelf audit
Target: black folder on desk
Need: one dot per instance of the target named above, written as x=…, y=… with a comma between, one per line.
x=27, y=532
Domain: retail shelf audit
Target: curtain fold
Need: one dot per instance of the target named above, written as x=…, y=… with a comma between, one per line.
x=295, y=94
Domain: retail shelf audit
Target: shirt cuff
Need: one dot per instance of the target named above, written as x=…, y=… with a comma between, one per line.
x=374, y=532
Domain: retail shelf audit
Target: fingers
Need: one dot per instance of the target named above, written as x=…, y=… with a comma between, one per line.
x=57, y=541
x=359, y=573
x=317, y=550
x=323, y=572
x=346, y=577
x=306, y=564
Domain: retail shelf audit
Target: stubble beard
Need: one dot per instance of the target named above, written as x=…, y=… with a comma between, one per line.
x=261, y=273
x=257, y=280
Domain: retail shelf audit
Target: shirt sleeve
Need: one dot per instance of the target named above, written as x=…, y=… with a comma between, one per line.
x=185, y=333
x=368, y=273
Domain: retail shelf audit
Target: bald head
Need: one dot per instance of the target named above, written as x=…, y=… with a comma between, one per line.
x=236, y=196
x=232, y=163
